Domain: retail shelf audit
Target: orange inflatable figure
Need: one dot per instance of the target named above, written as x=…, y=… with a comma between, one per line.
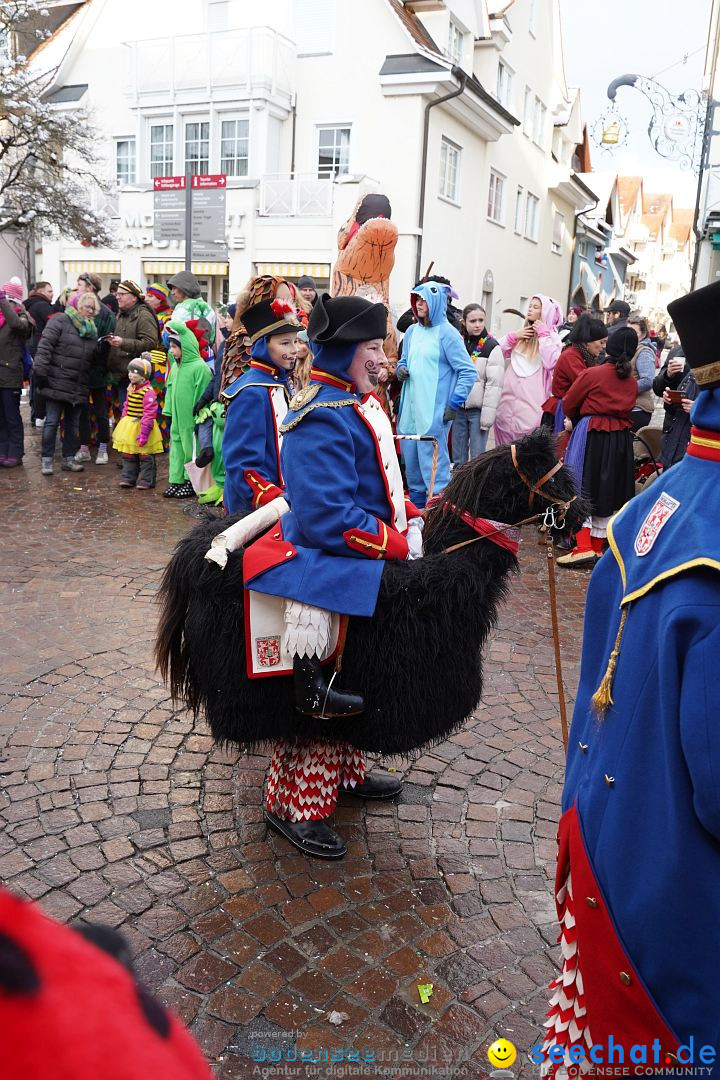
x=366, y=256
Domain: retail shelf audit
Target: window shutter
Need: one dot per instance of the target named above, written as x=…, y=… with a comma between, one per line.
x=314, y=26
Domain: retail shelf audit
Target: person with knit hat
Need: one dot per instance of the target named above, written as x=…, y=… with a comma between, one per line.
x=185, y=290
x=188, y=377
x=324, y=558
x=256, y=405
x=137, y=436
x=136, y=331
x=638, y=873
x=15, y=331
x=308, y=289
x=598, y=407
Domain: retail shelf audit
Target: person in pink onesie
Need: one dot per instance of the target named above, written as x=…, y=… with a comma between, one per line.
x=533, y=353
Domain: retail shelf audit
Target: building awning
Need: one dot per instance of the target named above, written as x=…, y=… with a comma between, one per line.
x=174, y=266
x=615, y=274
x=588, y=280
x=94, y=266
x=294, y=270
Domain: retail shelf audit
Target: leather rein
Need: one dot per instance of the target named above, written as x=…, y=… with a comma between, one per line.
x=547, y=516
x=550, y=521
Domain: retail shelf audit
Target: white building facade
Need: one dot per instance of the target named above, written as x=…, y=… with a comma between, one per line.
x=457, y=111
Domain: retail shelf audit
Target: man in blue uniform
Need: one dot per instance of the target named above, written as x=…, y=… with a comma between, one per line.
x=256, y=405
x=325, y=557
x=638, y=879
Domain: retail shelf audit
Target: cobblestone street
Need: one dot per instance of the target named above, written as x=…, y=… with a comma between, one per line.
x=117, y=809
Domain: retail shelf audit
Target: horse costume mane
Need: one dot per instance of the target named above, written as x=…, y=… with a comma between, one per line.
x=432, y=617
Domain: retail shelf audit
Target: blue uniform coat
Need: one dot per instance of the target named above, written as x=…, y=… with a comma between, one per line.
x=340, y=507
x=251, y=440
x=641, y=802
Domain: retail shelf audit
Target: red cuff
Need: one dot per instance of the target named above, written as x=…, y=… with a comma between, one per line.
x=385, y=544
x=411, y=510
x=263, y=490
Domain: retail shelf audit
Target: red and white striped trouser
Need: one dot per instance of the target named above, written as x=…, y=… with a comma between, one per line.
x=304, y=776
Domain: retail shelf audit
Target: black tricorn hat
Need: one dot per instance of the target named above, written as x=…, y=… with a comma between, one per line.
x=269, y=317
x=697, y=321
x=346, y=319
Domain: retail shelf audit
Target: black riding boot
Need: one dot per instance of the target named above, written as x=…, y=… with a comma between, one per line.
x=313, y=695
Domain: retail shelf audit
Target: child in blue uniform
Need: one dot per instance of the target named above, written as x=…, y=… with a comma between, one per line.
x=256, y=406
x=437, y=376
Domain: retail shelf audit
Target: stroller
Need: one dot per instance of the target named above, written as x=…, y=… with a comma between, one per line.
x=646, y=451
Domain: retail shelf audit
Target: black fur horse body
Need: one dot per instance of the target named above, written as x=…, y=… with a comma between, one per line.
x=417, y=661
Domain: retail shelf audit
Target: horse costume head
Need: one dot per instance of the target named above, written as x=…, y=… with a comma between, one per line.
x=507, y=485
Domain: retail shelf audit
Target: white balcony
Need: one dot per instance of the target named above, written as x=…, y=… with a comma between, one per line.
x=299, y=196
x=256, y=60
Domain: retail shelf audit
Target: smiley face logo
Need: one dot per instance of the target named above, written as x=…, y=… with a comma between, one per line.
x=501, y=1054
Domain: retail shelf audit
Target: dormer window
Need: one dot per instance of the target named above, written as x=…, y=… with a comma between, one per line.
x=456, y=43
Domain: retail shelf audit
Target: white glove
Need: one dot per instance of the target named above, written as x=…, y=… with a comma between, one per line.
x=414, y=537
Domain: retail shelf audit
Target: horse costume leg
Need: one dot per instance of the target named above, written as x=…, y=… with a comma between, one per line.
x=306, y=638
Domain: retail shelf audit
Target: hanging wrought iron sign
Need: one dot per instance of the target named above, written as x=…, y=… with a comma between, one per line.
x=676, y=126
x=610, y=131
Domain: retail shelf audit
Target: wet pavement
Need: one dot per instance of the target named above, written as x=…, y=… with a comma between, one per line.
x=118, y=809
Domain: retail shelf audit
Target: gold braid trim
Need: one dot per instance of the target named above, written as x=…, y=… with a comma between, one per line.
x=707, y=373
x=290, y=424
x=602, y=698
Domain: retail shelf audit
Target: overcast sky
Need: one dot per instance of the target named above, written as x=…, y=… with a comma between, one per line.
x=605, y=39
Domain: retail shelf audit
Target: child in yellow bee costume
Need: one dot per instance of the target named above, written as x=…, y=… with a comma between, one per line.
x=137, y=436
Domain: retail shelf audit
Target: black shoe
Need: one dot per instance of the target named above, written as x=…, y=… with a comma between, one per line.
x=313, y=695
x=377, y=786
x=311, y=837
x=204, y=457
x=180, y=491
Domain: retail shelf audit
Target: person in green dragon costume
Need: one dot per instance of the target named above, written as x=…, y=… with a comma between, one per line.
x=187, y=379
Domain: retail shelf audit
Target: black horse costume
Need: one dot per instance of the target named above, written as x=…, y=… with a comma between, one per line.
x=417, y=659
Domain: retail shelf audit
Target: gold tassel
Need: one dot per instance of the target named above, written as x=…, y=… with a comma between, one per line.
x=602, y=698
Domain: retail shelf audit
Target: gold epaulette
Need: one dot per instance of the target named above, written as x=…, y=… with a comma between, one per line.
x=290, y=424
x=304, y=396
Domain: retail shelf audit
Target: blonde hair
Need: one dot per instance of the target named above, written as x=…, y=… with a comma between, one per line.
x=83, y=300
x=529, y=348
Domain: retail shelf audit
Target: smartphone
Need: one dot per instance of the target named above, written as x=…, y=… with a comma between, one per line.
x=675, y=397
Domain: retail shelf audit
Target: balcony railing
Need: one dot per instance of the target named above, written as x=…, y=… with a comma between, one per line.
x=257, y=58
x=298, y=196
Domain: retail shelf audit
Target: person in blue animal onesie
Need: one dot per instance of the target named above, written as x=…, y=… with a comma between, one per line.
x=257, y=403
x=437, y=376
x=638, y=875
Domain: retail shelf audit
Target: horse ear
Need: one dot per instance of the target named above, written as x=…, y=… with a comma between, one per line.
x=537, y=441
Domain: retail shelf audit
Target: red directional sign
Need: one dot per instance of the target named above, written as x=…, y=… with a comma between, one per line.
x=209, y=180
x=169, y=183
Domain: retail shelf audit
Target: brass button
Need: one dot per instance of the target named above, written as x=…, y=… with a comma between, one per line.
x=591, y=902
x=276, y=536
x=624, y=978
x=583, y=747
x=609, y=780
x=288, y=554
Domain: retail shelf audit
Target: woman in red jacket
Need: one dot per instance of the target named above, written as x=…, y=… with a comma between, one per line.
x=599, y=404
x=585, y=343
